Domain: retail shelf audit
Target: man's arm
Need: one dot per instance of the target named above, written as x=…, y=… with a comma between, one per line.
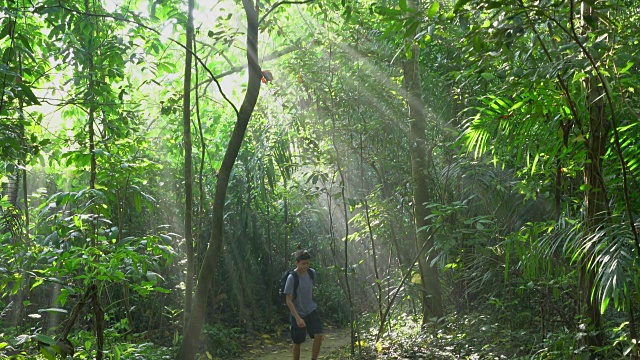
x=294, y=312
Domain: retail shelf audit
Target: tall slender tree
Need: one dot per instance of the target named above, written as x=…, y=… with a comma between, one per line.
x=191, y=338
x=420, y=153
x=188, y=163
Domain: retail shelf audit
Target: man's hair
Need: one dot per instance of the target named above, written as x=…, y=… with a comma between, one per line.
x=302, y=255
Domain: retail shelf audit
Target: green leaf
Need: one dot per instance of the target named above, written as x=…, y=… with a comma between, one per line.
x=433, y=9
x=62, y=298
x=388, y=13
x=488, y=76
x=604, y=305
x=477, y=43
x=45, y=339
x=516, y=105
x=403, y=5
x=535, y=163
x=25, y=42
x=47, y=354
x=27, y=95
x=137, y=200
x=166, y=239
x=16, y=284
x=459, y=4
x=411, y=29
x=590, y=20
x=37, y=283
x=626, y=68
x=6, y=29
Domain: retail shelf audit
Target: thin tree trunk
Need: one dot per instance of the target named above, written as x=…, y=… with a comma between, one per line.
x=188, y=165
x=346, y=266
x=91, y=110
x=595, y=200
x=203, y=151
x=286, y=226
x=191, y=338
x=595, y=194
x=374, y=254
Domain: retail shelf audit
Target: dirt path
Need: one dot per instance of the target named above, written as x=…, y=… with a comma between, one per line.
x=280, y=349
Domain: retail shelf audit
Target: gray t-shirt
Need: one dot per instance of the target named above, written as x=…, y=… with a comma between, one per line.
x=304, y=300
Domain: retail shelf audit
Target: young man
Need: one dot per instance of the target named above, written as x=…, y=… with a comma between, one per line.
x=304, y=317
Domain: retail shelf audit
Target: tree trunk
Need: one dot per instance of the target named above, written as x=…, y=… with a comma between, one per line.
x=432, y=294
x=91, y=110
x=595, y=195
x=286, y=254
x=188, y=176
x=595, y=200
x=207, y=273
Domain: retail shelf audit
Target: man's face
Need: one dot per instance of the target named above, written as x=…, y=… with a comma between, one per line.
x=303, y=264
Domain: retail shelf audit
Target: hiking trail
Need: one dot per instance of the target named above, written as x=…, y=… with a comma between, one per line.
x=270, y=348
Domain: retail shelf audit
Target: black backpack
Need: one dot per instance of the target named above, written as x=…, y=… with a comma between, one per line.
x=296, y=282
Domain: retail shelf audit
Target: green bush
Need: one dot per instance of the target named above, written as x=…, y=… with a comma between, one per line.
x=221, y=341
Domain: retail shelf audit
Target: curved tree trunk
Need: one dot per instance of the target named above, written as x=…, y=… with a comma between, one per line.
x=207, y=273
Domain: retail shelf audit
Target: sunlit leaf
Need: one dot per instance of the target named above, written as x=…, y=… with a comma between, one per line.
x=433, y=9
x=459, y=4
x=54, y=310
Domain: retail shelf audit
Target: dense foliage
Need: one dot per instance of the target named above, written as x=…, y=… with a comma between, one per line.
x=489, y=146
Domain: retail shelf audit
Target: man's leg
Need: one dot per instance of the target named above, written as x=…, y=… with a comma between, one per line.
x=317, y=341
x=296, y=351
x=298, y=336
x=315, y=329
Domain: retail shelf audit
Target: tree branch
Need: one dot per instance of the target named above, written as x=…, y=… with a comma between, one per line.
x=280, y=3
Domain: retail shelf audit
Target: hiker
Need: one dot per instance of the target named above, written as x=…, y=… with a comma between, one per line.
x=304, y=316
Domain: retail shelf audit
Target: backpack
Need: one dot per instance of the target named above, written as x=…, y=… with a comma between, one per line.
x=296, y=282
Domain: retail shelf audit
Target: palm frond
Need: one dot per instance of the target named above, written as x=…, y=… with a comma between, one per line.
x=608, y=251
x=612, y=257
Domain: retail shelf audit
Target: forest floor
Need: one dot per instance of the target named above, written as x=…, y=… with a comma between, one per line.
x=269, y=348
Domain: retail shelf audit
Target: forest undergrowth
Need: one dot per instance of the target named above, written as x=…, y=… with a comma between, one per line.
x=474, y=336
x=478, y=335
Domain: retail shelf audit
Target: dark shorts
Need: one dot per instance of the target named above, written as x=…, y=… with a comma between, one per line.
x=314, y=326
